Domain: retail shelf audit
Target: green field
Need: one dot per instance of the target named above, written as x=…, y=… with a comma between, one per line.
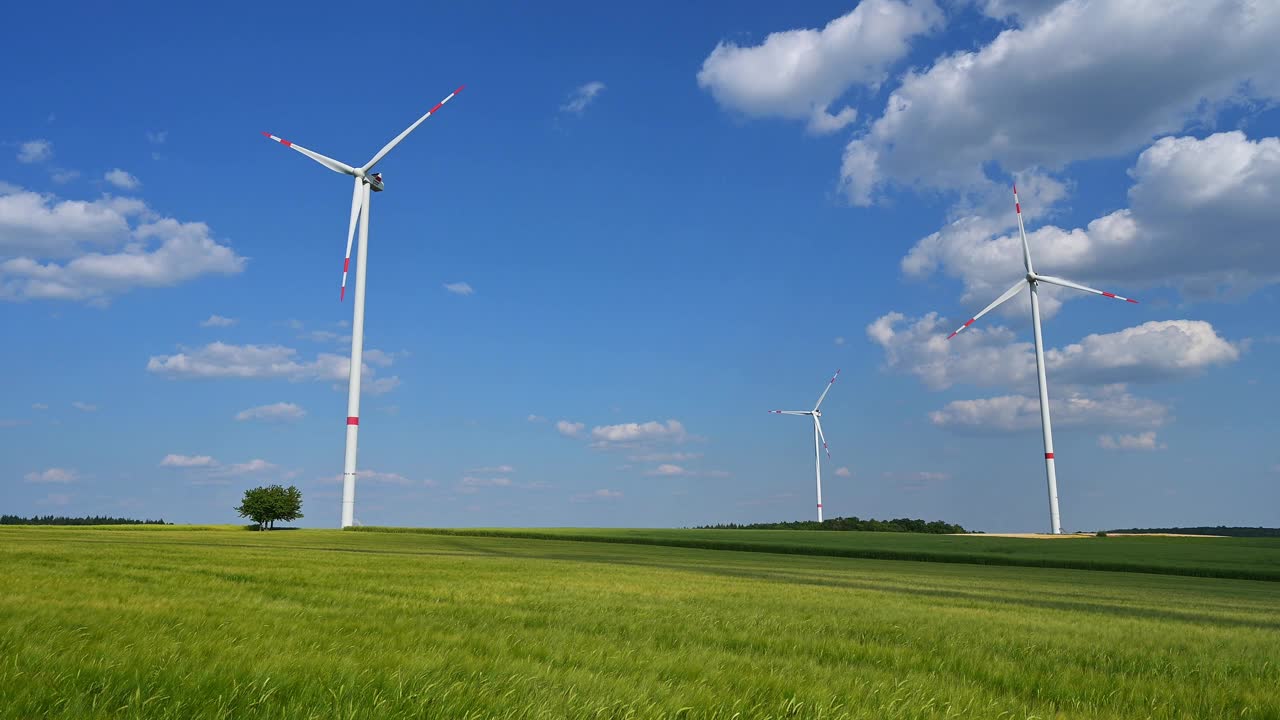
x=179, y=623
x=1240, y=558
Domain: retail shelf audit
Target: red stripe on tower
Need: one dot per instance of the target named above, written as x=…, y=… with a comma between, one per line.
x=819, y=504
x=353, y=421
x=1048, y=456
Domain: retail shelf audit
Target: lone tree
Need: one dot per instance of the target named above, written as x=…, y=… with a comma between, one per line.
x=266, y=505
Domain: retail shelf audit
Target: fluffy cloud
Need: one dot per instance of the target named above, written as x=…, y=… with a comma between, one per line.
x=84, y=406
x=569, y=429
x=122, y=179
x=582, y=96
x=1084, y=80
x=221, y=360
x=632, y=433
x=1110, y=405
x=1141, y=441
x=844, y=472
x=668, y=470
x=800, y=73
x=218, y=321
x=459, y=288
x=1023, y=10
x=35, y=151
x=187, y=461
x=275, y=411
x=52, y=475
x=992, y=357
x=1200, y=219
x=76, y=250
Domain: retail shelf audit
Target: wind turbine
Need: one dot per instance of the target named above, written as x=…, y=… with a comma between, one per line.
x=365, y=181
x=816, y=413
x=1031, y=280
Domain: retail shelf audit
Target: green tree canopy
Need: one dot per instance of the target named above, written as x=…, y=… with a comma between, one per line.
x=266, y=505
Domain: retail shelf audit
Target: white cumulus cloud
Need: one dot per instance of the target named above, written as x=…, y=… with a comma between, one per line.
x=1111, y=405
x=1084, y=80
x=459, y=288
x=122, y=179
x=569, y=429
x=276, y=411
x=35, y=151
x=1141, y=441
x=223, y=360
x=188, y=461
x=800, y=73
x=52, y=475
x=52, y=249
x=1201, y=219
x=218, y=321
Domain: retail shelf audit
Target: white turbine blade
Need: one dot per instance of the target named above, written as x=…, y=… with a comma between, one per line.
x=1076, y=286
x=826, y=390
x=356, y=196
x=383, y=152
x=791, y=412
x=1026, y=248
x=328, y=162
x=1007, y=294
x=818, y=424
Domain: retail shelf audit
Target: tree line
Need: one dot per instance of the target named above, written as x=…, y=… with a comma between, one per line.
x=936, y=527
x=64, y=520
x=1205, y=530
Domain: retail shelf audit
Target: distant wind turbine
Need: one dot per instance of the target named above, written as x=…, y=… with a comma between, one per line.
x=365, y=180
x=816, y=413
x=1032, y=279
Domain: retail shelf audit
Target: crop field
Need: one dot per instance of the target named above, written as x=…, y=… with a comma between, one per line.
x=180, y=623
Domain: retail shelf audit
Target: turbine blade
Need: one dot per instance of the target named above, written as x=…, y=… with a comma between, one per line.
x=389, y=146
x=818, y=424
x=1007, y=294
x=357, y=196
x=791, y=412
x=328, y=162
x=826, y=390
x=1026, y=248
x=1077, y=286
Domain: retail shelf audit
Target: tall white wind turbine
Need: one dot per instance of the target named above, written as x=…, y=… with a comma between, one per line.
x=1031, y=281
x=365, y=181
x=818, y=437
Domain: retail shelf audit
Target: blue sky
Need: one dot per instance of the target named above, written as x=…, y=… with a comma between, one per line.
x=663, y=222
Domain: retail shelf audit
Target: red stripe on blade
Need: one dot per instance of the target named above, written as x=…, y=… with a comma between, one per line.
x=1135, y=302
x=455, y=92
x=285, y=143
x=970, y=322
x=342, y=295
x=437, y=107
x=346, y=264
x=1048, y=456
x=1107, y=294
x=1017, y=207
x=353, y=421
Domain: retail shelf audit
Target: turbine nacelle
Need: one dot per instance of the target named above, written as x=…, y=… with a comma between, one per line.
x=374, y=180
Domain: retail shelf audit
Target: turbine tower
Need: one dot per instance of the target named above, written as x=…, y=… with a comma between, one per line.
x=1032, y=280
x=816, y=413
x=365, y=181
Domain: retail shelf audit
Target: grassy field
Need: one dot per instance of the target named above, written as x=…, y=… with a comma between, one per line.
x=175, y=623
x=1241, y=558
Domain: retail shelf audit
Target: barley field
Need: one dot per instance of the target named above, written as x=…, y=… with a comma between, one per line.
x=222, y=623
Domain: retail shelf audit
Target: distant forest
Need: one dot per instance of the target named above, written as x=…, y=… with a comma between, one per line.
x=1219, y=530
x=936, y=527
x=60, y=520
